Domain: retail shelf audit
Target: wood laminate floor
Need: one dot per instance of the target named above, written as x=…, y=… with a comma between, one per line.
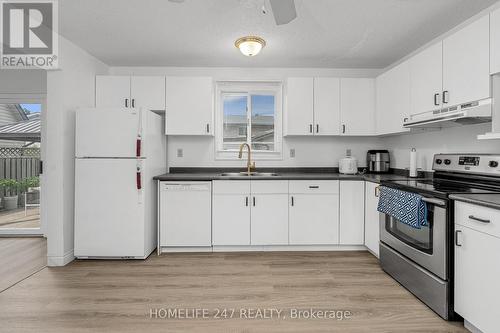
x=19, y=258
x=117, y=296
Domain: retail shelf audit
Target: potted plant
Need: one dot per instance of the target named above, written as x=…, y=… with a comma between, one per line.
x=30, y=184
x=31, y=188
x=10, y=200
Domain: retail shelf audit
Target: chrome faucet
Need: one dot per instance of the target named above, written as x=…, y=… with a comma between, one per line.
x=250, y=164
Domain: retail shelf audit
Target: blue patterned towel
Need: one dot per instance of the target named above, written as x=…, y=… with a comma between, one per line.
x=407, y=207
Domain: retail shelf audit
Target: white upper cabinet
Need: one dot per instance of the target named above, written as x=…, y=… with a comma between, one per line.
x=130, y=92
x=299, y=110
x=357, y=106
x=148, y=92
x=326, y=106
x=112, y=91
x=393, y=99
x=466, y=56
x=330, y=106
x=426, y=79
x=495, y=42
x=189, y=105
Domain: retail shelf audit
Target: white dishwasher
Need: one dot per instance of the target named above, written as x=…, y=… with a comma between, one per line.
x=185, y=215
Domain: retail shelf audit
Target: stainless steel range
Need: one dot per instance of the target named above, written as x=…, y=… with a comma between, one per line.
x=422, y=259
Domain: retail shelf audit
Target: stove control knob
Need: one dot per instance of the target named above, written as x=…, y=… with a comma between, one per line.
x=493, y=164
x=447, y=161
x=439, y=161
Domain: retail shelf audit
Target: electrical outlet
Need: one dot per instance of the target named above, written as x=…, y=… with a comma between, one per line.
x=292, y=152
x=348, y=152
x=180, y=152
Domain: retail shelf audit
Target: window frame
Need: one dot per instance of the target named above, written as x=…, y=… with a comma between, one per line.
x=238, y=88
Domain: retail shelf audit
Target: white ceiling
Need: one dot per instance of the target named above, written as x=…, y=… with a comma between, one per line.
x=327, y=33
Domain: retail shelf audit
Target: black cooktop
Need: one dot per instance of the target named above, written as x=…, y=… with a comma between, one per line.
x=441, y=187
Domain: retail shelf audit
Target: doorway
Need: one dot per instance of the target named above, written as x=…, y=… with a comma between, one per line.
x=21, y=167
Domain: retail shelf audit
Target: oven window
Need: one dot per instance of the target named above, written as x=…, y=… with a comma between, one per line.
x=420, y=239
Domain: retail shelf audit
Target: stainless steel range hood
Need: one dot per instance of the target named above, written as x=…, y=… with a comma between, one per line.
x=495, y=113
x=465, y=114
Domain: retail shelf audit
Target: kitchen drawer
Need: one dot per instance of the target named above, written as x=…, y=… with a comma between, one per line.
x=464, y=211
x=269, y=186
x=231, y=187
x=314, y=186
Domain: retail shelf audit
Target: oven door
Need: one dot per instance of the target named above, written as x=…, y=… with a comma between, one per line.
x=425, y=246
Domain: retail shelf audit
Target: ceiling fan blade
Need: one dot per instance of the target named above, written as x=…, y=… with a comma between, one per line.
x=283, y=10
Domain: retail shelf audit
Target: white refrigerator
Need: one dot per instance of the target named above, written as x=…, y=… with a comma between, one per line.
x=118, y=152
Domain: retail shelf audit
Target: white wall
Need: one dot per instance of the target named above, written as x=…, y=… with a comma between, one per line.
x=309, y=152
x=68, y=88
x=316, y=151
x=450, y=140
x=14, y=82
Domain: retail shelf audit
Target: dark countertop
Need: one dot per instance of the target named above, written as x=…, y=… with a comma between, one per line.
x=208, y=174
x=487, y=200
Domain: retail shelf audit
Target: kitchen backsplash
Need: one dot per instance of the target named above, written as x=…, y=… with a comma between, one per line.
x=326, y=151
x=309, y=151
x=449, y=140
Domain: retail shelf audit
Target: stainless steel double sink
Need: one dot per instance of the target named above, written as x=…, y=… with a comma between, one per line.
x=249, y=174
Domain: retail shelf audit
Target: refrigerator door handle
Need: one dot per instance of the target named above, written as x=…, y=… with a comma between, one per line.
x=138, y=180
x=138, y=143
x=138, y=176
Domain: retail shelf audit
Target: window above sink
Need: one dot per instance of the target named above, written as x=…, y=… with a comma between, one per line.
x=248, y=112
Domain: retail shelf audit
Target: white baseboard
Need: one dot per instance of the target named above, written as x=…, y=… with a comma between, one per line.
x=55, y=261
x=471, y=327
x=185, y=249
x=295, y=248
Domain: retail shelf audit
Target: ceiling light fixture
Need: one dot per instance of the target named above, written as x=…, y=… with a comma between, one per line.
x=250, y=45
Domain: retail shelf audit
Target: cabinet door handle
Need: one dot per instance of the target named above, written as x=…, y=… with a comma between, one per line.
x=310, y=128
x=208, y=128
x=377, y=191
x=343, y=128
x=133, y=102
x=126, y=102
x=436, y=99
x=472, y=217
x=246, y=201
x=314, y=186
x=317, y=128
x=456, y=237
x=293, y=201
x=253, y=201
x=446, y=95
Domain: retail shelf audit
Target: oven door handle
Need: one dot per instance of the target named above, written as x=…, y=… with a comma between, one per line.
x=434, y=201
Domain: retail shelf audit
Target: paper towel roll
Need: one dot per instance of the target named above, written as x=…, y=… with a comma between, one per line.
x=413, y=162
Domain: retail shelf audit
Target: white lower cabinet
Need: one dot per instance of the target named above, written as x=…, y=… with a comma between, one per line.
x=250, y=213
x=231, y=213
x=314, y=212
x=352, y=216
x=477, y=268
x=269, y=213
x=280, y=212
x=372, y=229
